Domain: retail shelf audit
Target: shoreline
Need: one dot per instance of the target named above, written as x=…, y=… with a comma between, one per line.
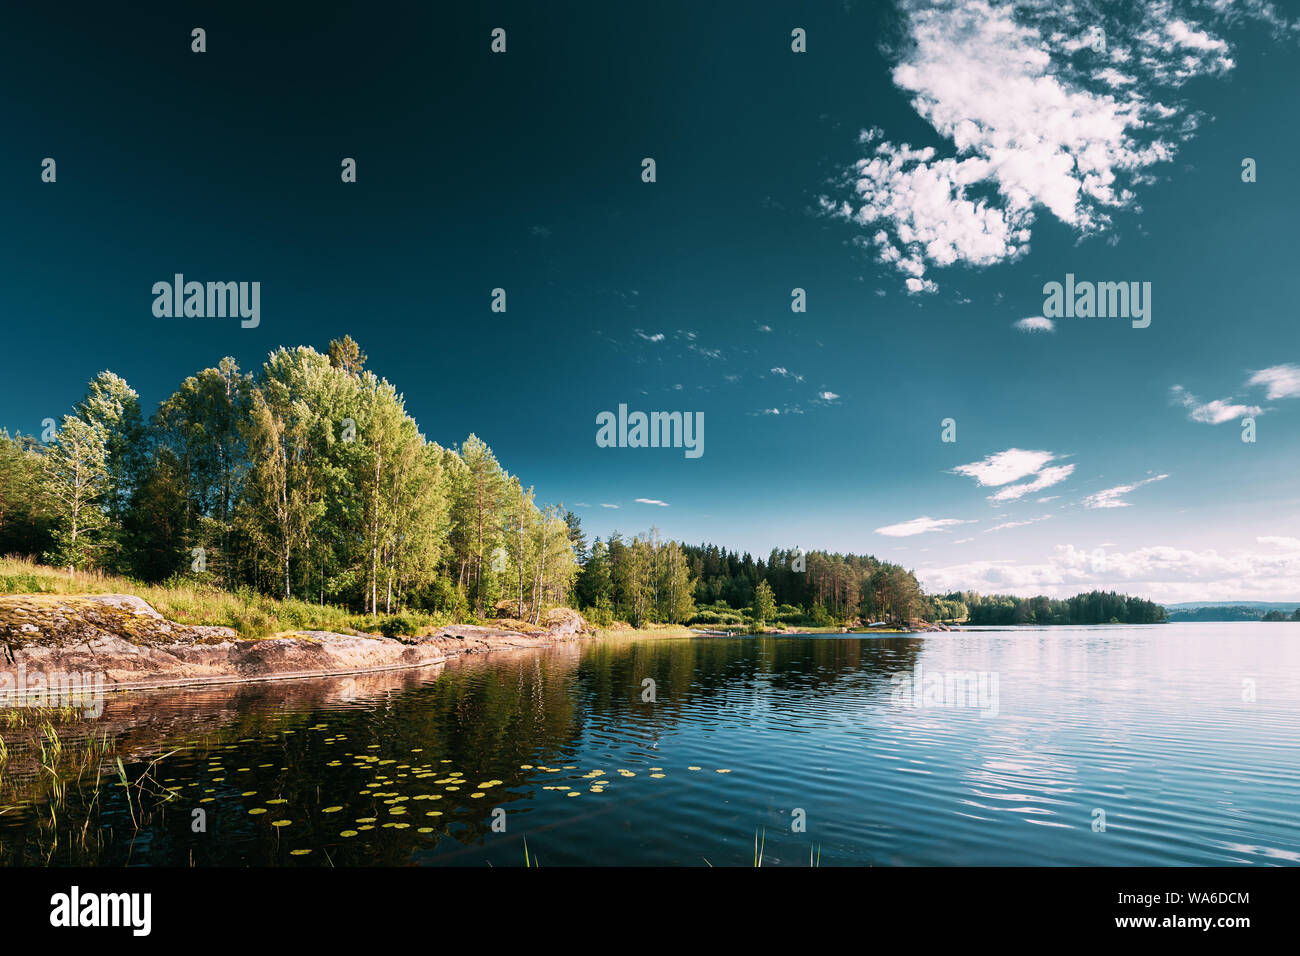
x=122, y=644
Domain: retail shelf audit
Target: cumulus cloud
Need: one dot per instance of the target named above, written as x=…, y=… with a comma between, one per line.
x=1277, y=541
x=1212, y=413
x=1161, y=573
x=1035, y=323
x=1036, y=119
x=1114, y=497
x=922, y=525
x=651, y=501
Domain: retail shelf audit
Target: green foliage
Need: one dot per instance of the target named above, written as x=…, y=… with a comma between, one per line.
x=395, y=625
x=814, y=589
x=645, y=580
x=764, y=603
x=1095, y=607
x=307, y=480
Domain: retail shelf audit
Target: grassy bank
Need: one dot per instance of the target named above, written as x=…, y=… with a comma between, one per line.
x=252, y=615
x=650, y=630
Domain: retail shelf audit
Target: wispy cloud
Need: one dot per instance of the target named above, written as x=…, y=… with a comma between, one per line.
x=651, y=501
x=922, y=525
x=605, y=505
x=1017, y=524
x=1114, y=497
x=1005, y=466
x=1013, y=465
x=1044, y=479
x=1212, y=413
x=1282, y=381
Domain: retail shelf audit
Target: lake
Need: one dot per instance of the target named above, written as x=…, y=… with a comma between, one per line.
x=1117, y=746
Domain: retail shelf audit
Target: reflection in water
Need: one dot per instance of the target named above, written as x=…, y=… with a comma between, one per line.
x=458, y=764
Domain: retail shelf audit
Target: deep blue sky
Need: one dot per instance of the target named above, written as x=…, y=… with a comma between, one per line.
x=523, y=171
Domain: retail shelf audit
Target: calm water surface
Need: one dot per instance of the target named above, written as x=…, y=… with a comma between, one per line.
x=1154, y=726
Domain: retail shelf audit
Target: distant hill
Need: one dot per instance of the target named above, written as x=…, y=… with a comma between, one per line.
x=1258, y=605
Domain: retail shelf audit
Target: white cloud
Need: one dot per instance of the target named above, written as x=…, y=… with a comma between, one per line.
x=1282, y=381
x=1045, y=479
x=603, y=505
x=1287, y=544
x=1212, y=413
x=1034, y=323
x=1113, y=497
x=1017, y=524
x=1036, y=120
x=1005, y=466
x=827, y=396
x=651, y=501
x=921, y=525
x=656, y=337
x=1160, y=573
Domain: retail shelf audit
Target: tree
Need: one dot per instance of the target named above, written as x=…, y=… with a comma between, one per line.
x=346, y=354
x=76, y=481
x=576, y=537
x=764, y=604
x=476, y=503
x=202, y=425
x=24, y=521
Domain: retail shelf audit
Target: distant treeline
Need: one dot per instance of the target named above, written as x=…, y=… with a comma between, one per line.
x=813, y=588
x=1095, y=607
x=1234, y=612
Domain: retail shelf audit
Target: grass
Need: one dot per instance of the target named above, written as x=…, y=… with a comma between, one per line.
x=250, y=614
x=650, y=630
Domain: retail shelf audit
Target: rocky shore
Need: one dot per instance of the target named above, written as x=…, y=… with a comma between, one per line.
x=131, y=645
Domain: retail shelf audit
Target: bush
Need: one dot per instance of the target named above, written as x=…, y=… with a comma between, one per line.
x=395, y=625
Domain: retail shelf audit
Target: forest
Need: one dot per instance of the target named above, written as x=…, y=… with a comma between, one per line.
x=306, y=479
x=1095, y=607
